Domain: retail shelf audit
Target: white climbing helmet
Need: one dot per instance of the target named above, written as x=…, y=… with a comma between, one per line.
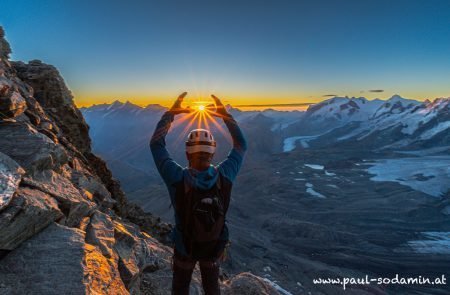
x=200, y=140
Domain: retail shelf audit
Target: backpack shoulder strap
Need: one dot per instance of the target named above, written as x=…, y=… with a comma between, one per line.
x=219, y=179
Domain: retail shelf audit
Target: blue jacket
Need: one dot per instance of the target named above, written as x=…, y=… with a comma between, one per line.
x=172, y=173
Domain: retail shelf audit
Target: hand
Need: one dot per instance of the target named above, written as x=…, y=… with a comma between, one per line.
x=221, y=111
x=177, y=108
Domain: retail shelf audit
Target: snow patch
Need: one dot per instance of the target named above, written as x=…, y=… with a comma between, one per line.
x=432, y=132
x=428, y=174
x=289, y=143
x=310, y=190
x=314, y=166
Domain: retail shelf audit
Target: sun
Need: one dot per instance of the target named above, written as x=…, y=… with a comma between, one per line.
x=201, y=107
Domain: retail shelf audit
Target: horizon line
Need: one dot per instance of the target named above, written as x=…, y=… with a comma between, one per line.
x=300, y=104
x=276, y=105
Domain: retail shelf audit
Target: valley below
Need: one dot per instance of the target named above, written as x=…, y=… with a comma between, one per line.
x=311, y=214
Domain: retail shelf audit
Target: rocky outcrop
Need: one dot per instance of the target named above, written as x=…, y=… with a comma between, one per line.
x=65, y=224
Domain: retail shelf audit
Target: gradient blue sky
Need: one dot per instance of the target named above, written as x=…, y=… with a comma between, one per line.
x=250, y=52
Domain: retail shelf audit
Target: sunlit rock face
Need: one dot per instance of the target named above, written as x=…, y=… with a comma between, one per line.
x=65, y=224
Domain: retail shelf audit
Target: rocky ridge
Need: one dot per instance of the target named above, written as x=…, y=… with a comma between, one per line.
x=65, y=224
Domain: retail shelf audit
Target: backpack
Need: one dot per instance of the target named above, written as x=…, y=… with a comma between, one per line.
x=202, y=218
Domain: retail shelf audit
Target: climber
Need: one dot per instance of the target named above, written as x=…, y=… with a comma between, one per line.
x=200, y=195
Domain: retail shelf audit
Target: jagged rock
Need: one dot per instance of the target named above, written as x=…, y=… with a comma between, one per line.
x=28, y=213
x=137, y=252
x=100, y=232
x=70, y=200
x=12, y=104
x=94, y=186
x=10, y=176
x=31, y=149
x=53, y=95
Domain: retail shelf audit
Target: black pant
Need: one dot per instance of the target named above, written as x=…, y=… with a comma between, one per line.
x=183, y=267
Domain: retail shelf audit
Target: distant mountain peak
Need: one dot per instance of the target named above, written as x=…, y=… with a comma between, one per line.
x=116, y=103
x=395, y=98
x=155, y=106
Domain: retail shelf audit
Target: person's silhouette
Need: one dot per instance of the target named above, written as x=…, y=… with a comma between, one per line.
x=200, y=195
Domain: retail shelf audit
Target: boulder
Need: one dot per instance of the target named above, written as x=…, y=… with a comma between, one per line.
x=31, y=149
x=10, y=176
x=27, y=214
x=71, y=202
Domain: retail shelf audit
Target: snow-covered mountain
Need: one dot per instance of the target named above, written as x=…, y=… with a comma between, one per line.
x=351, y=122
x=396, y=123
x=332, y=113
x=343, y=109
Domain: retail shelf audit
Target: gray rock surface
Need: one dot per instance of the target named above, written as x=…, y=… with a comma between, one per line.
x=33, y=150
x=10, y=176
x=56, y=253
x=29, y=212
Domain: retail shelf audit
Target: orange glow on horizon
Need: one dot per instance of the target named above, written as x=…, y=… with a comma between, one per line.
x=244, y=102
x=283, y=102
x=200, y=105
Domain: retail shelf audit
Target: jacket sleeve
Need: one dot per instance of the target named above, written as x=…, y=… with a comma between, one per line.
x=231, y=165
x=170, y=171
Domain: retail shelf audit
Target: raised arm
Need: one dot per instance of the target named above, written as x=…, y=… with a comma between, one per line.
x=170, y=170
x=232, y=164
